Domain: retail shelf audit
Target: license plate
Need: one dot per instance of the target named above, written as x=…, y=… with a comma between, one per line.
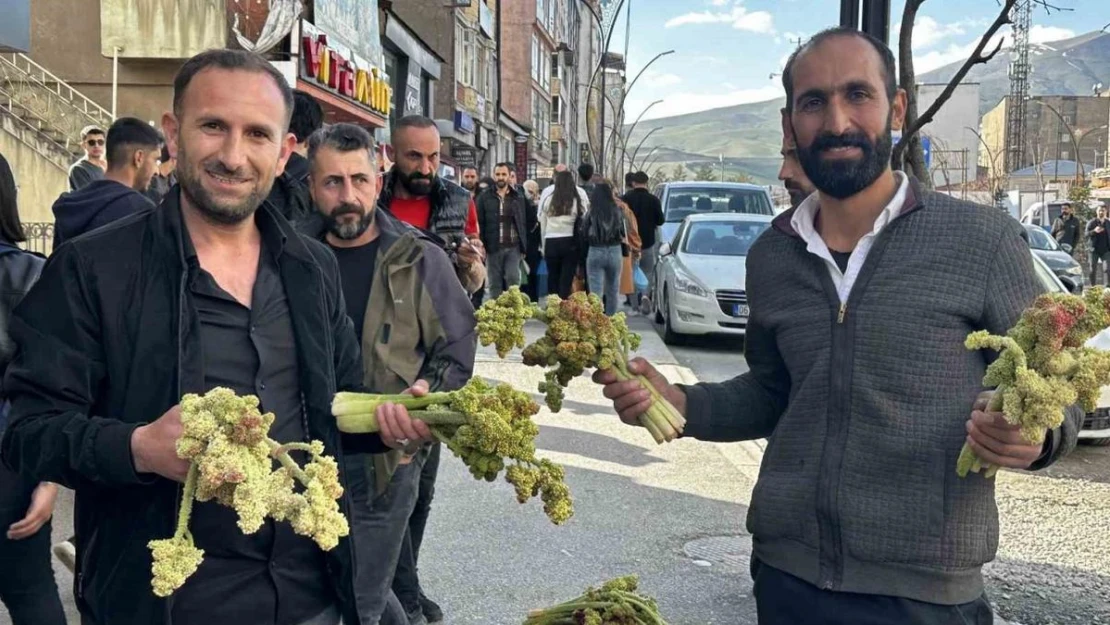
x=740, y=310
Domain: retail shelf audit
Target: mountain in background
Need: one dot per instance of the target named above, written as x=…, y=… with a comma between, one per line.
x=749, y=135
x=1067, y=67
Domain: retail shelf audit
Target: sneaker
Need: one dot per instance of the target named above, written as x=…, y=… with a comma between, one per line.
x=66, y=553
x=431, y=610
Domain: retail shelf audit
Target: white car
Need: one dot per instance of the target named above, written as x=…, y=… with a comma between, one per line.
x=699, y=279
x=1096, y=426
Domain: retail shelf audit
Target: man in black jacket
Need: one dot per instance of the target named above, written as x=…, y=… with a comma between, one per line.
x=133, y=151
x=213, y=289
x=1067, y=228
x=649, y=216
x=1098, y=232
x=290, y=191
x=502, y=222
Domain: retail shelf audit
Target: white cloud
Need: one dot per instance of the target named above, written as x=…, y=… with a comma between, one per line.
x=719, y=3
x=688, y=102
x=927, y=31
x=652, y=78
x=739, y=17
x=959, y=52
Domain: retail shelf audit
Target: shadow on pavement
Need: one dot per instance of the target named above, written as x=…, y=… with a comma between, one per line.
x=1031, y=593
x=592, y=445
x=488, y=560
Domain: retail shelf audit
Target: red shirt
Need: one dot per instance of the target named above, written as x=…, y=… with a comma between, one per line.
x=418, y=212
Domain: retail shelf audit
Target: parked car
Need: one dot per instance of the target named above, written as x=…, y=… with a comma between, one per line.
x=1057, y=257
x=681, y=199
x=699, y=279
x=1096, y=426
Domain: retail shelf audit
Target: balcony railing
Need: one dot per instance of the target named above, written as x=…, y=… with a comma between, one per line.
x=40, y=237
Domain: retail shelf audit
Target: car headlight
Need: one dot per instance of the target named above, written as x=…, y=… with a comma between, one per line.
x=689, y=286
x=1074, y=271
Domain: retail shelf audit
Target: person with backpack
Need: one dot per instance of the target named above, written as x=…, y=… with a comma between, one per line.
x=605, y=231
x=27, y=587
x=561, y=213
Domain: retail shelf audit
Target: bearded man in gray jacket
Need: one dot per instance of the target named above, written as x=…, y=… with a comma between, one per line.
x=861, y=299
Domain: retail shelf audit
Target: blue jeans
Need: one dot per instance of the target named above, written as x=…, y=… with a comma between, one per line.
x=603, y=270
x=378, y=525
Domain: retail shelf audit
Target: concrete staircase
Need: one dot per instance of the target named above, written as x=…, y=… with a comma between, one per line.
x=41, y=118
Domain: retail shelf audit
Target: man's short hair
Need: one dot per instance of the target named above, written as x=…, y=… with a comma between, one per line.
x=414, y=121
x=508, y=166
x=232, y=60
x=126, y=135
x=90, y=130
x=628, y=178
x=342, y=137
x=585, y=172
x=640, y=177
x=308, y=116
x=890, y=79
x=469, y=168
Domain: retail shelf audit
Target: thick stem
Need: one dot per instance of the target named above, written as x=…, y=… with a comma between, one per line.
x=346, y=404
x=367, y=422
x=287, y=461
x=285, y=448
x=188, y=494
x=968, y=462
x=659, y=425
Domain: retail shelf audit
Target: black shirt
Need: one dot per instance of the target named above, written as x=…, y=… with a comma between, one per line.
x=356, y=271
x=649, y=214
x=841, y=259
x=273, y=576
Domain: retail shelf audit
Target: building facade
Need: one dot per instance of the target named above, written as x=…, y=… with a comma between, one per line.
x=1055, y=127
x=953, y=144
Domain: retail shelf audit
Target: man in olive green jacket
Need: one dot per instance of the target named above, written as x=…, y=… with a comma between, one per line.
x=414, y=321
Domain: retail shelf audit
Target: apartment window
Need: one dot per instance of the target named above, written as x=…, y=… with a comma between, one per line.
x=541, y=117
x=545, y=65
x=556, y=66
x=541, y=12
x=555, y=156
x=1065, y=155
x=536, y=57
x=466, y=54
x=556, y=110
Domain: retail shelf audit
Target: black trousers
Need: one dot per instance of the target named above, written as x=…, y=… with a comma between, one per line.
x=782, y=599
x=562, y=263
x=406, y=582
x=27, y=587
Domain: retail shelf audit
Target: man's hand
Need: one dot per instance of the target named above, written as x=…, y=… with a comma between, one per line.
x=470, y=251
x=154, y=447
x=995, y=441
x=632, y=400
x=42, y=508
x=397, y=428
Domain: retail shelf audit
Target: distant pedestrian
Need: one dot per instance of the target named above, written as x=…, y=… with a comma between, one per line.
x=290, y=191
x=164, y=178
x=91, y=166
x=649, y=218
x=1067, y=228
x=606, y=232
x=502, y=222
x=558, y=213
x=1098, y=234
x=27, y=587
x=133, y=150
x=791, y=174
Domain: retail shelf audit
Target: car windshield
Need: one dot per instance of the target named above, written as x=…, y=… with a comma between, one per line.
x=1041, y=240
x=685, y=201
x=722, y=238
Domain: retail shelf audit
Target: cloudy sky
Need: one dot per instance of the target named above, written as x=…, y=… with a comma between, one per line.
x=726, y=50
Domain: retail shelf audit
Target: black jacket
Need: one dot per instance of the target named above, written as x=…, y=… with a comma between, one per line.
x=1100, y=241
x=108, y=342
x=19, y=270
x=489, y=218
x=450, y=206
x=1067, y=230
x=96, y=204
x=290, y=195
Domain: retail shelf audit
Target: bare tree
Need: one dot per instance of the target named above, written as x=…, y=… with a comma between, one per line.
x=908, y=154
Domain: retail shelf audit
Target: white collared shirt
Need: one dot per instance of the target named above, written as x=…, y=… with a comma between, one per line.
x=802, y=222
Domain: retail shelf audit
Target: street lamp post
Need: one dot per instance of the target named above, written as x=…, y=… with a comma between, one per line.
x=605, y=30
x=1071, y=135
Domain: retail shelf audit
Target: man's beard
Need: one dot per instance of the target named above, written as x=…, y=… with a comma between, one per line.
x=217, y=211
x=501, y=184
x=417, y=183
x=349, y=230
x=469, y=185
x=843, y=178
x=797, y=194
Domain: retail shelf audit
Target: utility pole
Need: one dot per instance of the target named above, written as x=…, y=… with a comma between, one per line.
x=1021, y=19
x=869, y=16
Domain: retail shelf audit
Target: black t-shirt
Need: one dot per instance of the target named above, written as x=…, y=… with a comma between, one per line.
x=841, y=259
x=356, y=272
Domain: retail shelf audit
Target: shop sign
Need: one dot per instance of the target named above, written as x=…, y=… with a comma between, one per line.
x=485, y=19
x=347, y=74
x=464, y=155
x=464, y=122
x=521, y=158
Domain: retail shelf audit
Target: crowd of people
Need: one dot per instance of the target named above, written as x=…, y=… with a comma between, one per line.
x=280, y=261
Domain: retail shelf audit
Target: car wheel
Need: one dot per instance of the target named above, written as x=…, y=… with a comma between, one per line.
x=670, y=337
x=1095, y=442
x=658, y=312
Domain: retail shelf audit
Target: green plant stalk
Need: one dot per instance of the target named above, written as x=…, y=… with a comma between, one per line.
x=280, y=453
x=671, y=413
x=188, y=494
x=662, y=427
x=360, y=403
x=968, y=460
x=555, y=614
x=367, y=422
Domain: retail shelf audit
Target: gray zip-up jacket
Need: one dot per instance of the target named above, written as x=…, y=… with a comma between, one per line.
x=858, y=489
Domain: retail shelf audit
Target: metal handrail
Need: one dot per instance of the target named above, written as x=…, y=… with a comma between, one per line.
x=48, y=80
